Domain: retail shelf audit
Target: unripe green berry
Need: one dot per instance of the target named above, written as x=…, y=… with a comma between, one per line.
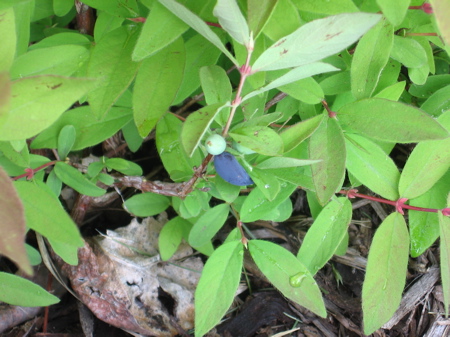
x=242, y=149
x=215, y=144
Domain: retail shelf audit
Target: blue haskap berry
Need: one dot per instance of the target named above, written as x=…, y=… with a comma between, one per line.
x=215, y=144
x=230, y=170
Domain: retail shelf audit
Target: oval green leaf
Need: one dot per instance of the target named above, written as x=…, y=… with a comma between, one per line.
x=70, y=176
x=260, y=139
x=146, y=204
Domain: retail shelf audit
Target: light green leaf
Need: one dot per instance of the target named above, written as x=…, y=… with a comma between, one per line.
x=428, y=162
x=156, y=85
x=12, y=226
x=288, y=275
x=123, y=166
x=370, y=57
x=170, y=236
x=390, y=121
x=392, y=92
x=111, y=63
x=266, y=182
x=385, y=273
x=282, y=162
x=438, y=102
x=297, y=133
x=160, y=29
x=232, y=21
x=433, y=84
x=8, y=33
x=408, y=52
x=372, y=166
x=258, y=14
x=196, y=125
x=395, y=11
x=90, y=130
x=121, y=8
x=260, y=139
x=63, y=60
x=208, y=225
x=70, y=176
x=217, y=286
x=306, y=90
x=215, y=84
x=45, y=215
x=293, y=75
x=19, y=291
x=198, y=25
x=146, y=204
x=326, y=7
x=257, y=207
x=20, y=158
x=316, y=40
x=37, y=102
x=62, y=7
x=325, y=234
x=444, y=226
x=327, y=145
x=285, y=12
x=66, y=139
x=174, y=158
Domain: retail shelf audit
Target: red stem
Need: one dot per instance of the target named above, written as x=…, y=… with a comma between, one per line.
x=30, y=172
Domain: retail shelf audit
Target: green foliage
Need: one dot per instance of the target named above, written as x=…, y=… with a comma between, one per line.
x=356, y=84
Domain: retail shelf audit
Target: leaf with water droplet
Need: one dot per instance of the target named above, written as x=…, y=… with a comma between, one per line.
x=296, y=280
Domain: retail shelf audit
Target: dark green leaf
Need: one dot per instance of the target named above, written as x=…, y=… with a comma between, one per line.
x=171, y=235
x=66, y=139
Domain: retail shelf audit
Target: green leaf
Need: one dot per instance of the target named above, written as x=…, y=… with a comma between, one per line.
x=306, y=90
x=66, y=139
x=438, y=102
x=284, y=11
x=217, y=286
x=174, y=158
x=33, y=255
x=395, y=11
x=293, y=75
x=123, y=166
x=121, y=8
x=433, y=84
x=37, y=102
x=12, y=226
x=221, y=189
x=157, y=83
x=370, y=57
x=63, y=60
x=198, y=25
x=259, y=13
x=215, y=84
x=66, y=251
x=390, y=121
x=326, y=7
x=372, y=166
x=15, y=290
x=257, y=207
x=70, y=176
x=8, y=45
x=111, y=63
x=90, y=131
x=160, y=29
x=441, y=10
x=208, y=225
x=408, y=52
x=170, y=236
x=282, y=162
x=196, y=125
x=260, y=139
x=297, y=133
x=337, y=83
x=132, y=137
x=444, y=226
x=327, y=145
x=266, y=182
x=232, y=21
x=424, y=226
x=385, y=273
x=288, y=275
x=45, y=215
x=393, y=92
x=146, y=204
x=428, y=162
x=62, y=7
x=325, y=234
x=316, y=40
x=20, y=158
